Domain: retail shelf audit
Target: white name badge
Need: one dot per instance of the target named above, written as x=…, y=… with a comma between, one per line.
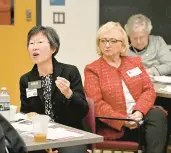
x=31, y=92
x=134, y=72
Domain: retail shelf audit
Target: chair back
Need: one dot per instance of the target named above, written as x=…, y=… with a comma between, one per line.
x=90, y=118
x=90, y=121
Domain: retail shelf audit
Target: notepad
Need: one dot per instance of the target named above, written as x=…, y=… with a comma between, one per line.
x=167, y=88
x=163, y=79
x=62, y=133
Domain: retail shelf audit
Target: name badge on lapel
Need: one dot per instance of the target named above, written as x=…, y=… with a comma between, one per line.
x=134, y=72
x=34, y=84
x=31, y=92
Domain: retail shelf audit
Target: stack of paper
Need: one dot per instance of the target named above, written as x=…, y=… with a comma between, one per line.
x=53, y=133
x=26, y=125
x=162, y=79
x=62, y=133
x=167, y=88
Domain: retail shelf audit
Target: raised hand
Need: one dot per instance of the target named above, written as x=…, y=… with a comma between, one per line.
x=64, y=86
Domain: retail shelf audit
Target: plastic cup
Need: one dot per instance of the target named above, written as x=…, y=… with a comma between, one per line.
x=13, y=112
x=40, y=127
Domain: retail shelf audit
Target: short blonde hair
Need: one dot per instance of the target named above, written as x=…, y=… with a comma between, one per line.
x=138, y=21
x=108, y=26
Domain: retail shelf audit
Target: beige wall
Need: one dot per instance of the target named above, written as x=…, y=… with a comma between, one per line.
x=79, y=31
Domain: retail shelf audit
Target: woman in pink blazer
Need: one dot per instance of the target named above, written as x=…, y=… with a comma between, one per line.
x=120, y=87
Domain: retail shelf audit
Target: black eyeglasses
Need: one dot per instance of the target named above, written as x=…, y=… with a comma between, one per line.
x=111, y=41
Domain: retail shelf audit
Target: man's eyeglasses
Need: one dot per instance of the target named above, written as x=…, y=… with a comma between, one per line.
x=110, y=41
x=39, y=42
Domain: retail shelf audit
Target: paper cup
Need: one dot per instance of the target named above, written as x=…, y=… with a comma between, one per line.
x=13, y=112
x=40, y=127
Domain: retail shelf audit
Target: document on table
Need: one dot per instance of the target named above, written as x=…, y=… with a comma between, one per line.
x=26, y=125
x=62, y=133
x=26, y=128
x=167, y=89
x=162, y=79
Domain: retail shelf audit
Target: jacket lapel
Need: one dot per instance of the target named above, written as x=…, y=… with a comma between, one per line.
x=34, y=77
x=57, y=70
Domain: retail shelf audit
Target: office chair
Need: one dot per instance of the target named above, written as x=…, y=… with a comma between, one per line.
x=114, y=145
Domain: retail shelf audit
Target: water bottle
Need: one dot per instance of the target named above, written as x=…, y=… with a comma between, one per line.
x=5, y=103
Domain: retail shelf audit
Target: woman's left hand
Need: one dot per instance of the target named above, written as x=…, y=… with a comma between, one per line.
x=130, y=124
x=137, y=115
x=64, y=86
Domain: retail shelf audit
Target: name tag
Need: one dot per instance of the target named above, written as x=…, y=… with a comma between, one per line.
x=134, y=72
x=31, y=92
x=34, y=84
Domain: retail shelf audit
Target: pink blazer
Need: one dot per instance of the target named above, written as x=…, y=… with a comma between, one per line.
x=103, y=85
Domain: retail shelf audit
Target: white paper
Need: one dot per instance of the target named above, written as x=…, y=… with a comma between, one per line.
x=19, y=116
x=26, y=125
x=163, y=79
x=26, y=128
x=62, y=133
x=23, y=127
x=53, y=133
x=167, y=88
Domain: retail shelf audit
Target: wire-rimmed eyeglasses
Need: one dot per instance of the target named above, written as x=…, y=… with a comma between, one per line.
x=111, y=41
x=39, y=42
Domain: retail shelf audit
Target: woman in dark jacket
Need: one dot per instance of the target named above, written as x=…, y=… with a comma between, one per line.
x=52, y=88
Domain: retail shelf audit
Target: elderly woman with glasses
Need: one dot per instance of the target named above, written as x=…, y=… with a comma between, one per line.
x=153, y=49
x=51, y=87
x=120, y=87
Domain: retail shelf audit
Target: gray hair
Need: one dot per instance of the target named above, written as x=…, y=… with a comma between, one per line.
x=138, y=21
x=112, y=25
x=50, y=33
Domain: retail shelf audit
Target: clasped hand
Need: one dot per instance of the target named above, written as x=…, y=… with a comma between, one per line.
x=137, y=116
x=64, y=86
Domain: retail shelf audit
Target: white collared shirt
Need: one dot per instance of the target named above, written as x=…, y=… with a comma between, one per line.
x=130, y=102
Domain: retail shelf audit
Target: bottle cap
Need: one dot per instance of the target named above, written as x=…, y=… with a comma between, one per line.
x=3, y=88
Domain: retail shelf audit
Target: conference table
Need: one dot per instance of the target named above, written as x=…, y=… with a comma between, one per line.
x=86, y=138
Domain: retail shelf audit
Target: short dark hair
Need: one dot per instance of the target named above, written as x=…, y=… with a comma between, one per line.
x=50, y=33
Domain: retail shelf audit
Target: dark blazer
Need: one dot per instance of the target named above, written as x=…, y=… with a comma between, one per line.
x=10, y=138
x=2, y=141
x=68, y=112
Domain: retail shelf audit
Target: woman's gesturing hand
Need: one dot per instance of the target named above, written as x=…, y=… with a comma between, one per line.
x=64, y=86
